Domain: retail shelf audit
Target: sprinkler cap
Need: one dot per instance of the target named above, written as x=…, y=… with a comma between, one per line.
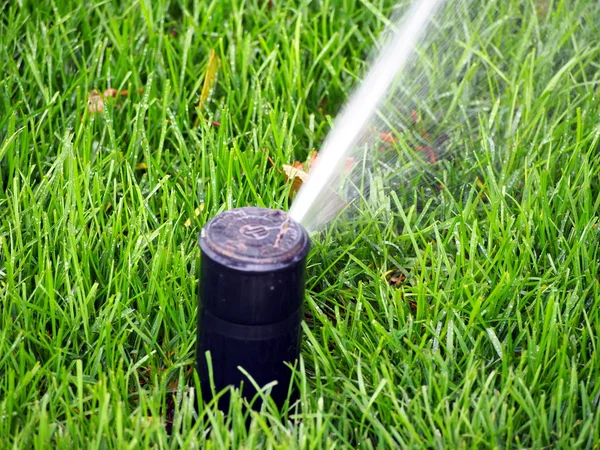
x=254, y=239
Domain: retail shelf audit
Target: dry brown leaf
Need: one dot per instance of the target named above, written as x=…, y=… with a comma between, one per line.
x=111, y=92
x=293, y=171
x=209, y=83
x=431, y=155
x=96, y=99
x=297, y=175
x=209, y=78
x=484, y=192
x=394, y=278
x=386, y=138
x=197, y=211
x=95, y=102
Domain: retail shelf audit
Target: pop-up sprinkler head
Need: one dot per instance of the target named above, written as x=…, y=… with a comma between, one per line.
x=251, y=296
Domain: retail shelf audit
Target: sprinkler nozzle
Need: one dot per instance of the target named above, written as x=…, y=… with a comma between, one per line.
x=250, y=302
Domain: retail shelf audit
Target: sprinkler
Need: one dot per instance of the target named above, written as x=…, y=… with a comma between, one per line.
x=250, y=305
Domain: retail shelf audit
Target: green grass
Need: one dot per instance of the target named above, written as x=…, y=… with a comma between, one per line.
x=490, y=341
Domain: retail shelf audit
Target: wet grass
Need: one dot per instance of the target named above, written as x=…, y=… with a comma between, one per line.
x=468, y=319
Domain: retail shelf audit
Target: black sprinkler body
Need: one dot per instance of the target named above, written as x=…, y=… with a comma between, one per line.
x=251, y=296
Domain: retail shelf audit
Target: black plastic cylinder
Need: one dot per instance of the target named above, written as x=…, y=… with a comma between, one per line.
x=250, y=300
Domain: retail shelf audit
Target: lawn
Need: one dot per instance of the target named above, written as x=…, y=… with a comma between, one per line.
x=462, y=317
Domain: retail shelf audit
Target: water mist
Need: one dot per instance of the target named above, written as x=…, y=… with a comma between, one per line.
x=354, y=118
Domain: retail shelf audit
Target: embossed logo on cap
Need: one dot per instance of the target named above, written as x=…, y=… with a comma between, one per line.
x=254, y=231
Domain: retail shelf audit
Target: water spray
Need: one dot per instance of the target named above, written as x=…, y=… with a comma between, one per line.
x=251, y=297
x=356, y=115
x=253, y=259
